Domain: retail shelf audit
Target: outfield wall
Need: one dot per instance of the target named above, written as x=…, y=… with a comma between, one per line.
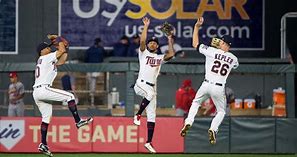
x=118, y=134
x=105, y=134
x=244, y=135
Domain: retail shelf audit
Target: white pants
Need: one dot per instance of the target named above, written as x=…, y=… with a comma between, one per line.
x=217, y=93
x=43, y=97
x=149, y=92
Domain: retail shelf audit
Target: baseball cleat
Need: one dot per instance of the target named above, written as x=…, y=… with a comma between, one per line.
x=84, y=122
x=212, y=136
x=150, y=148
x=137, y=119
x=44, y=149
x=184, y=130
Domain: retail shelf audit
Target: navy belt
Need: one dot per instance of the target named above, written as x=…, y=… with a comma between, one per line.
x=47, y=85
x=218, y=84
x=148, y=83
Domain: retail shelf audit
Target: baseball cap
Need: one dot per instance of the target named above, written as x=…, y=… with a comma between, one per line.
x=42, y=46
x=227, y=39
x=153, y=39
x=187, y=83
x=97, y=40
x=13, y=74
x=124, y=37
x=135, y=36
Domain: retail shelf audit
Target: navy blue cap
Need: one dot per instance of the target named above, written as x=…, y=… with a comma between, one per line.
x=42, y=46
x=97, y=40
x=153, y=39
x=124, y=37
x=135, y=36
x=227, y=39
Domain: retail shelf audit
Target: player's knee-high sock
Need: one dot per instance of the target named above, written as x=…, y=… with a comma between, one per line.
x=73, y=110
x=143, y=105
x=192, y=113
x=43, y=130
x=150, y=131
x=216, y=121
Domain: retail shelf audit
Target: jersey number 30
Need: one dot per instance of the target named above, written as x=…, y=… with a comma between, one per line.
x=218, y=67
x=37, y=72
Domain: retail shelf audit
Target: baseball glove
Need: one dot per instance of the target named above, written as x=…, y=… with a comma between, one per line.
x=55, y=39
x=167, y=29
x=215, y=42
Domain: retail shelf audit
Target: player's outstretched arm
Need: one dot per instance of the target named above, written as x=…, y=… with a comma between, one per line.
x=195, y=40
x=61, y=49
x=170, y=53
x=146, y=23
x=62, y=59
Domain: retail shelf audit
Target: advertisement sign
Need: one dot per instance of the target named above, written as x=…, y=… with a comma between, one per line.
x=9, y=27
x=81, y=21
x=12, y=131
x=105, y=134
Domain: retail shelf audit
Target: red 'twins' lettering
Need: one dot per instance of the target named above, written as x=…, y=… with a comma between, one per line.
x=152, y=61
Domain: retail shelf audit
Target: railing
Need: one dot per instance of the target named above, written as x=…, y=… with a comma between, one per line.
x=283, y=31
x=284, y=71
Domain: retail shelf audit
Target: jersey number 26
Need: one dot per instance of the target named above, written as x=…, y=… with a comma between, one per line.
x=218, y=67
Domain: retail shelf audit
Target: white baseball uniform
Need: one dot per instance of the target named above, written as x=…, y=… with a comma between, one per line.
x=145, y=86
x=45, y=73
x=218, y=65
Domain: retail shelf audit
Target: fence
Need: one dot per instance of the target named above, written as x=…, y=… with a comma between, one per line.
x=118, y=134
x=248, y=78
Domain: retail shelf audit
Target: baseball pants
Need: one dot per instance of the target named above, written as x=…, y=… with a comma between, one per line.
x=217, y=93
x=149, y=92
x=43, y=97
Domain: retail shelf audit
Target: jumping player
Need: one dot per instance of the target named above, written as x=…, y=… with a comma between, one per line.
x=45, y=73
x=145, y=86
x=218, y=64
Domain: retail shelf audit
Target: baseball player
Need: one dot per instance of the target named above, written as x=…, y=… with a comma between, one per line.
x=16, y=92
x=145, y=86
x=218, y=64
x=45, y=73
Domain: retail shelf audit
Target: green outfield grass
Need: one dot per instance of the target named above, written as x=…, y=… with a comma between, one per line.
x=151, y=155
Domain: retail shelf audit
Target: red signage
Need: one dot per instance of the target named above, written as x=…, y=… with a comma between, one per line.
x=105, y=134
